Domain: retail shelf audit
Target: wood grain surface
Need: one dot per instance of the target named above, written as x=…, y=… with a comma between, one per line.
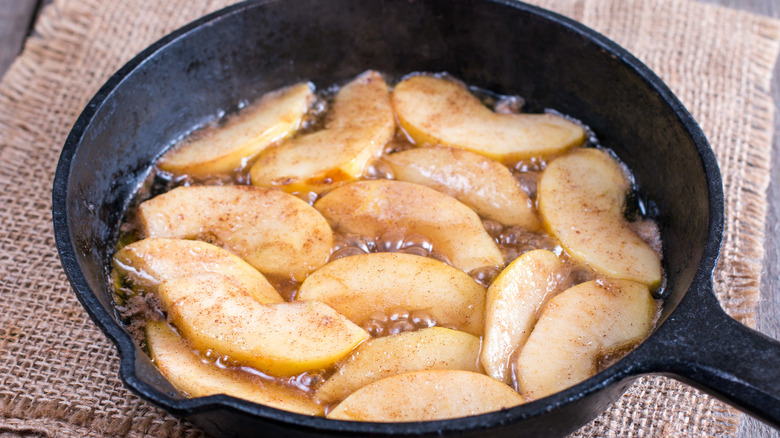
x=17, y=18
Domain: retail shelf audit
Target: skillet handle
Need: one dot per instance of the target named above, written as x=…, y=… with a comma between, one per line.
x=701, y=345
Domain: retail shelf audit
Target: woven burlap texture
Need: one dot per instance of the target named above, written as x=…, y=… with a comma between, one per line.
x=59, y=373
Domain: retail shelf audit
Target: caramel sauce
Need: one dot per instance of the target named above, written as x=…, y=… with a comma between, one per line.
x=137, y=308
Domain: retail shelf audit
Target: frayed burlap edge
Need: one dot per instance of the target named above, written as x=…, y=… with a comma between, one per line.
x=738, y=272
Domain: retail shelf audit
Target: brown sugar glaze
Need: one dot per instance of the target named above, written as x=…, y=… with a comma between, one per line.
x=137, y=308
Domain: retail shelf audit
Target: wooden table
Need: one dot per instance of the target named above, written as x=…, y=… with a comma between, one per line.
x=17, y=18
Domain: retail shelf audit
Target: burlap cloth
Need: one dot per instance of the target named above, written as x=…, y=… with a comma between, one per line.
x=59, y=373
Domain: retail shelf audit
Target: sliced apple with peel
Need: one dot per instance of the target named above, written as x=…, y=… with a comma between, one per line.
x=576, y=328
x=513, y=303
x=360, y=124
x=148, y=262
x=215, y=313
x=371, y=208
x=434, y=348
x=228, y=147
x=426, y=396
x=277, y=233
x=359, y=285
x=435, y=110
x=186, y=370
x=483, y=184
x=581, y=199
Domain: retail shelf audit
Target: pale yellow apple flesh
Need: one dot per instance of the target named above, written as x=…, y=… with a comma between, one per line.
x=483, y=184
x=186, y=370
x=440, y=111
x=275, y=232
x=372, y=208
x=576, y=328
x=361, y=122
x=147, y=263
x=228, y=147
x=215, y=313
x=434, y=348
x=514, y=301
x=426, y=396
x=359, y=285
x=581, y=199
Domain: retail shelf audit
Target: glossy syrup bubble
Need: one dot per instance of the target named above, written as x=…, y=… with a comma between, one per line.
x=415, y=250
x=401, y=326
x=528, y=182
x=441, y=257
x=378, y=169
x=390, y=241
x=378, y=316
x=307, y=197
x=533, y=164
x=351, y=240
x=510, y=236
x=398, y=314
x=485, y=275
x=397, y=145
x=416, y=240
x=422, y=319
x=578, y=275
x=373, y=327
x=308, y=379
x=492, y=227
x=345, y=252
x=509, y=253
x=397, y=320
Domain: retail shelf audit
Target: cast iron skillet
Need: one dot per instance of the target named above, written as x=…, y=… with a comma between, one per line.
x=241, y=52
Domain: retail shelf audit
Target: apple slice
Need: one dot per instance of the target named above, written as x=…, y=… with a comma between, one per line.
x=426, y=396
x=228, y=147
x=483, y=184
x=514, y=300
x=359, y=285
x=360, y=123
x=213, y=312
x=439, y=111
x=581, y=200
x=149, y=262
x=185, y=369
x=371, y=208
x=434, y=348
x=576, y=327
x=275, y=232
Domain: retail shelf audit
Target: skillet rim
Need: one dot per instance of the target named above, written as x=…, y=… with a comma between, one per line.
x=624, y=370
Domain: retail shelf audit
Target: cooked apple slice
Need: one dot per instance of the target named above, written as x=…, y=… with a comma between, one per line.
x=359, y=285
x=483, y=184
x=360, y=123
x=434, y=348
x=275, y=232
x=228, y=147
x=426, y=396
x=371, y=208
x=581, y=200
x=149, y=262
x=440, y=111
x=513, y=302
x=213, y=312
x=576, y=327
x=185, y=369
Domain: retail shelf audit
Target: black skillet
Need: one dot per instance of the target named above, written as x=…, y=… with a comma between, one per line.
x=243, y=51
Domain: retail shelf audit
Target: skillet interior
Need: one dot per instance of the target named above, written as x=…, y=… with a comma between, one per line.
x=242, y=52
